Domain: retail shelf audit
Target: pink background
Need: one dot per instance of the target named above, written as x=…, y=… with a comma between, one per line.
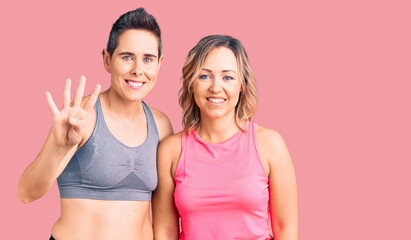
x=334, y=79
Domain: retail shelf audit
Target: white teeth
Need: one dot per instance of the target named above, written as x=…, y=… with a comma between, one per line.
x=216, y=100
x=135, y=84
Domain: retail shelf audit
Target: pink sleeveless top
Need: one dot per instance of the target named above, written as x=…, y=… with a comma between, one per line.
x=222, y=189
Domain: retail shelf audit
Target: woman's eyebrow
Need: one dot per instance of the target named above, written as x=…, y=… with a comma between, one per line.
x=126, y=53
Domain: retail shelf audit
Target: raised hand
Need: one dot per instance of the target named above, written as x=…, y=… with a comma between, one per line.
x=69, y=122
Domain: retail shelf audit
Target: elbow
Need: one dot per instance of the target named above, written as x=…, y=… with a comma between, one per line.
x=289, y=232
x=25, y=200
x=24, y=196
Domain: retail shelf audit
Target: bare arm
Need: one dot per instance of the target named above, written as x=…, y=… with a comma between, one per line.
x=65, y=136
x=39, y=176
x=283, y=185
x=165, y=216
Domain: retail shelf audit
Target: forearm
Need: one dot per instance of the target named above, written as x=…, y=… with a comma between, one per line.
x=165, y=221
x=165, y=216
x=170, y=234
x=39, y=176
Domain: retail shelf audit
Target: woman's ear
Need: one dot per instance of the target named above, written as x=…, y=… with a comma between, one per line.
x=106, y=60
x=160, y=60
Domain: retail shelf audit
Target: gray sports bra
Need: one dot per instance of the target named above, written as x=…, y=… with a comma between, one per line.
x=104, y=168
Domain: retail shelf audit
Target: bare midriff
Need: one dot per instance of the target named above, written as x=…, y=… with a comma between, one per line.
x=103, y=220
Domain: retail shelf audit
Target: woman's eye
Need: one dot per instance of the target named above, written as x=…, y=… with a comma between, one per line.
x=127, y=58
x=228, y=78
x=204, y=76
x=147, y=60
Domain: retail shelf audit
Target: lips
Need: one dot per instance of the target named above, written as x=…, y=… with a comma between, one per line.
x=216, y=100
x=134, y=84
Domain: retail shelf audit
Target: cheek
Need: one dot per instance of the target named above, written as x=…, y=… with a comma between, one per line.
x=120, y=68
x=234, y=90
x=199, y=89
x=198, y=93
x=151, y=71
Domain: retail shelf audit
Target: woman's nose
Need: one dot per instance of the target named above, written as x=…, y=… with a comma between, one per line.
x=136, y=70
x=215, y=85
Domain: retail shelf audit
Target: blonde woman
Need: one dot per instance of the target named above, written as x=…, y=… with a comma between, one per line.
x=224, y=175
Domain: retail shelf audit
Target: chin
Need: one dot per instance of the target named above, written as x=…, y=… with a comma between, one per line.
x=215, y=115
x=134, y=97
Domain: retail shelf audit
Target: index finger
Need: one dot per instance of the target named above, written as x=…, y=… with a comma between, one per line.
x=51, y=103
x=66, y=93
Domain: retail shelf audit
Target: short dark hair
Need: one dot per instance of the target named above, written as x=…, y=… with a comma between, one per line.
x=137, y=19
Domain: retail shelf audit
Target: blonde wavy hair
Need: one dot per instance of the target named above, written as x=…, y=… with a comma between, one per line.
x=247, y=103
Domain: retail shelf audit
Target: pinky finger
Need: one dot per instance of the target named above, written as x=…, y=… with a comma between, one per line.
x=51, y=103
x=93, y=97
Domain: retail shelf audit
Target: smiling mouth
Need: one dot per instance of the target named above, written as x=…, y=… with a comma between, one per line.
x=216, y=100
x=134, y=84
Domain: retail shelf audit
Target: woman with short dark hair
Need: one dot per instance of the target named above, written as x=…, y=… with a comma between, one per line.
x=102, y=148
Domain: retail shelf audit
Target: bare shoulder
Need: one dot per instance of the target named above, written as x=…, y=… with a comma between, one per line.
x=271, y=146
x=268, y=136
x=162, y=122
x=169, y=152
x=171, y=144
